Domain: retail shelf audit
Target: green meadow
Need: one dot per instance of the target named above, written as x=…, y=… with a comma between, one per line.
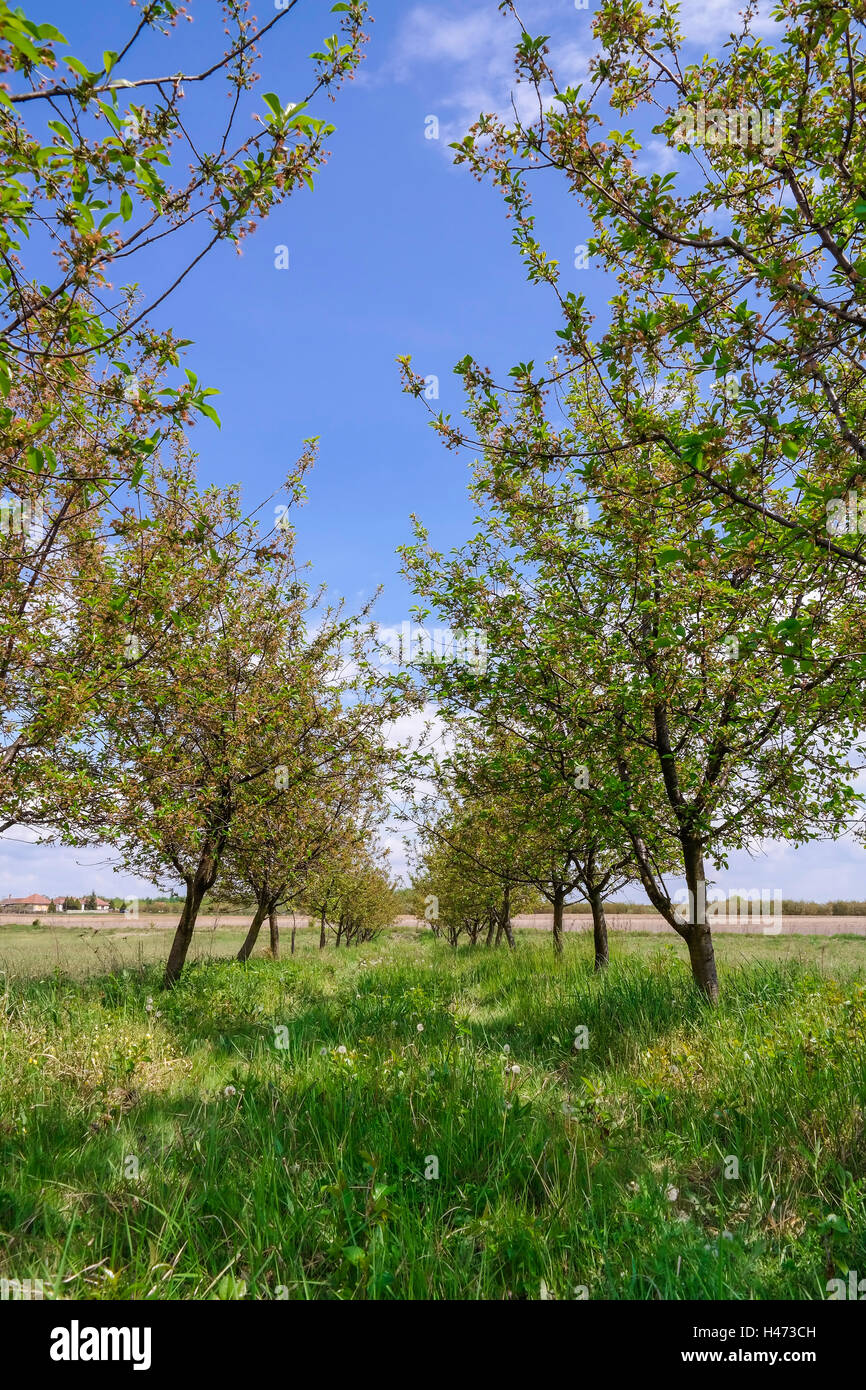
x=402, y=1120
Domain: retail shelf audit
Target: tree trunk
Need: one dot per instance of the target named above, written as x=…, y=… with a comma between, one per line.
x=703, y=959
x=599, y=931
x=292, y=946
x=253, y=934
x=506, y=916
x=275, y=934
x=491, y=928
x=322, y=933
x=558, y=904
x=195, y=891
x=698, y=936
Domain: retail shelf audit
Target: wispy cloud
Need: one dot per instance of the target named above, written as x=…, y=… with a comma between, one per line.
x=470, y=57
x=703, y=21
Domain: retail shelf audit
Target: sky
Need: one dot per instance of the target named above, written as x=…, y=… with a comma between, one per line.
x=395, y=251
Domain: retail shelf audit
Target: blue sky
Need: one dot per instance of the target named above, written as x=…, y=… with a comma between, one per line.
x=395, y=251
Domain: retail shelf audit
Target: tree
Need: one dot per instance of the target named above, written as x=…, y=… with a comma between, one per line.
x=748, y=254
x=250, y=697
x=352, y=892
x=473, y=847
x=716, y=702
x=208, y=709
x=324, y=806
x=90, y=391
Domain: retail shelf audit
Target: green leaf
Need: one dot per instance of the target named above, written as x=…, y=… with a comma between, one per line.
x=23, y=45
x=77, y=66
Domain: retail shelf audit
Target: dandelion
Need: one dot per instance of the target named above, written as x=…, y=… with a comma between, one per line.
x=515, y=1069
x=342, y=1050
x=727, y=1235
x=506, y=1049
x=230, y=1091
x=420, y=1028
x=672, y=1193
x=148, y=1005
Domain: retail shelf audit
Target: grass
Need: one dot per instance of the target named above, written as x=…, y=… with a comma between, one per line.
x=274, y=1130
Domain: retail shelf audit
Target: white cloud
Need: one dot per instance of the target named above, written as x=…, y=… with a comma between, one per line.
x=703, y=21
x=29, y=867
x=475, y=51
x=657, y=157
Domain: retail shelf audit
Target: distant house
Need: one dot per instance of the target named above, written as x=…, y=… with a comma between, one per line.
x=32, y=903
x=36, y=902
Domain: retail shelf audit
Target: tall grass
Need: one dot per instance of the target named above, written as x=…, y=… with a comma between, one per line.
x=265, y=1130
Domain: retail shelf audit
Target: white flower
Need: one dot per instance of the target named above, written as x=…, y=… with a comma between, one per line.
x=342, y=1050
x=229, y=1091
x=515, y=1069
x=506, y=1048
x=420, y=1028
x=672, y=1193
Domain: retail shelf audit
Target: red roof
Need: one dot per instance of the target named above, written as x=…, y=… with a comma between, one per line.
x=35, y=898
